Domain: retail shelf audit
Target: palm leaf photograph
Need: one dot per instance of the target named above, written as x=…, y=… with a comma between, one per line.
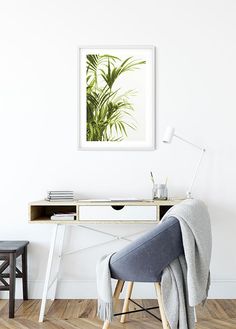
x=113, y=90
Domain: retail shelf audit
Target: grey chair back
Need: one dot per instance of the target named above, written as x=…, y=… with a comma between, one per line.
x=144, y=259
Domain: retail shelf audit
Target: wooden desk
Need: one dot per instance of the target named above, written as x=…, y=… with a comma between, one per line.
x=41, y=211
x=91, y=212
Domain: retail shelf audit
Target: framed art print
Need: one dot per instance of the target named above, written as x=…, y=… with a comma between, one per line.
x=116, y=98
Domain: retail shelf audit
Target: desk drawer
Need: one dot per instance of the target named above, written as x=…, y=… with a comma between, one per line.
x=123, y=213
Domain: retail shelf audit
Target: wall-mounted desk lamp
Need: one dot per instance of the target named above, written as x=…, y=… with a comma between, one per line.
x=168, y=136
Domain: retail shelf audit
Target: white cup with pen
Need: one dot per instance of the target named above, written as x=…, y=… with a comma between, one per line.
x=159, y=191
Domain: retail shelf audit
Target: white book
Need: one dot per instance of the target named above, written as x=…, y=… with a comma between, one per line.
x=65, y=218
x=65, y=214
x=60, y=192
x=60, y=199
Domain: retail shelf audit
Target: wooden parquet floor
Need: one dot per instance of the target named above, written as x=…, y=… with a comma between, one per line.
x=81, y=314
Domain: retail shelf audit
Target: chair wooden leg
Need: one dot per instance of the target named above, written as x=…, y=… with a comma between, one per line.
x=195, y=315
x=106, y=325
x=116, y=295
x=118, y=290
x=165, y=323
x=126, y=301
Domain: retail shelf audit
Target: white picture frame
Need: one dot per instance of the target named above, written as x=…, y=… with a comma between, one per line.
x=116, y=98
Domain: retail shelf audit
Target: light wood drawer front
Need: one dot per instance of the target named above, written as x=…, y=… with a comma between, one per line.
x=133, y=213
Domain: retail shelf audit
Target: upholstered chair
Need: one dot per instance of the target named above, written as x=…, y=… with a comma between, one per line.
x=144, y=260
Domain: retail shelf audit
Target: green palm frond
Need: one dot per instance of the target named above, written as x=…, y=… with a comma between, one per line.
x=108, y=109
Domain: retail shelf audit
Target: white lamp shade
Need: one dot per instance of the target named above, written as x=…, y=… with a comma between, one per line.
x=169, y=133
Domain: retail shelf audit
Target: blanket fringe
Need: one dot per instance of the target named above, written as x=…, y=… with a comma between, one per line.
x=105, y=310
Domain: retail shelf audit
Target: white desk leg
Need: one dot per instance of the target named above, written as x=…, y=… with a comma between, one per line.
x=58, y=260
x=48, y=273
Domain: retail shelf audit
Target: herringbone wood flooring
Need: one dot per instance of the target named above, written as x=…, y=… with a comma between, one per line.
x=81, y=314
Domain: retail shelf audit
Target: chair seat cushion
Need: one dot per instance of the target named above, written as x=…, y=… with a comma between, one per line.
x=144, y=259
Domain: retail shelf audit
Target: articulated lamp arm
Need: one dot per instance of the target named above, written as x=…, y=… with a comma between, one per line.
x=169, y=134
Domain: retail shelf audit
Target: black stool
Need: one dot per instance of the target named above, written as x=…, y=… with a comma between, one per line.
x=9, y=251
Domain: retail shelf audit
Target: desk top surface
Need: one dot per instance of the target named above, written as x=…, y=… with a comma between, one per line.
x=145, y=202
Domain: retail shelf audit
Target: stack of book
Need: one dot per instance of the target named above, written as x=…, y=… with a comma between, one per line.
x=64, y=216
x=60, y=196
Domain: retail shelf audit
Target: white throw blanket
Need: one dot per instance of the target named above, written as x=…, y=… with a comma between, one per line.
x=104, y=289
x=185, y=282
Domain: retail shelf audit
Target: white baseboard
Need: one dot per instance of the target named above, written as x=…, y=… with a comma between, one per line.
x=86, y=289
x=223, y=289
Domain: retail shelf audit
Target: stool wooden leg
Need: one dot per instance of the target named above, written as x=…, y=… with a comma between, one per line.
x=24, y=274
x=161, y=306
x=126, y=301
x=116, y=295
x=12, y=284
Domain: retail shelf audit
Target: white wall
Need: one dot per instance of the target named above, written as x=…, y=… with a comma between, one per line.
x=38, y=91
